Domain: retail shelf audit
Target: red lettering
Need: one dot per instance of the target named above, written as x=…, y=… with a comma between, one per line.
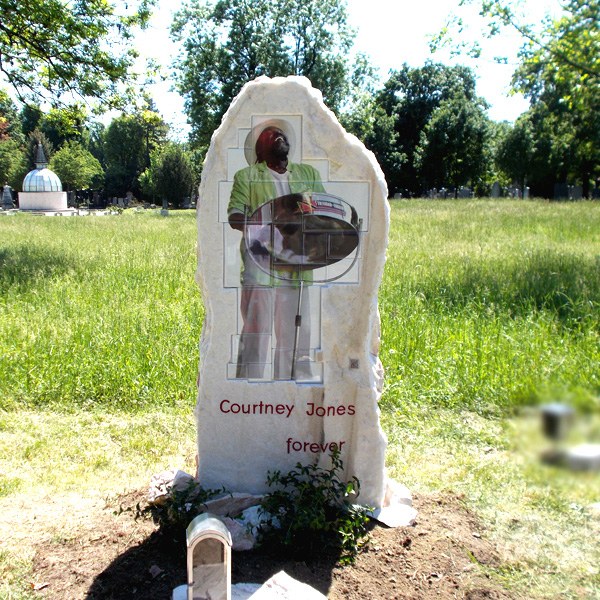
x=330, y=411
x=314, y=447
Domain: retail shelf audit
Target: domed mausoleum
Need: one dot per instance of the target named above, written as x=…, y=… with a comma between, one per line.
x=42, y=189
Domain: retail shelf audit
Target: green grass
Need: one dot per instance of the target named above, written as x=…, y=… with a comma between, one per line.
x=98, y=312
x=487, y=307
x=491, y=305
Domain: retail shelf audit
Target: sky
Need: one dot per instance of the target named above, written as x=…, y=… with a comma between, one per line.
x=390, y=33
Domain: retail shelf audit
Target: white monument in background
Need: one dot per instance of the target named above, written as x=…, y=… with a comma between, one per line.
x=289, y=366
x=42, y=189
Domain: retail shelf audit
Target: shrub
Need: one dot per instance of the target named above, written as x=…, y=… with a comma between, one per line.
x=175, y=511
x=310, y=512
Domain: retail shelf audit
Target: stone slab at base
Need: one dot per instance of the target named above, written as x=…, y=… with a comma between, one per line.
x=585, y=457
x=44, y=201
x=396, y=515
x=397, y=509
x=67, y=212
x=279, y=587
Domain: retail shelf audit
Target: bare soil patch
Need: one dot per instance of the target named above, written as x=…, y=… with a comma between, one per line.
x=107, y=554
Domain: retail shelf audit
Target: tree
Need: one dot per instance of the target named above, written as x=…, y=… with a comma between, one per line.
x=229, y=43
x=30, y=118
x=60, y=125
x=95, y=142
x=559, y=72
x=13, y=163
x=554, y=145
x=170, y=175
x=408, y=99
x=76, y=167
x=515, y=151
x=51, y=49
x=453, y=145
x=128, y=142
x=10, y=123
x=368, y=120
x=570, y=42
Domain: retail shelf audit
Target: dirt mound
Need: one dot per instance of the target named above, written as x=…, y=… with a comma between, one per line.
x=113, y=556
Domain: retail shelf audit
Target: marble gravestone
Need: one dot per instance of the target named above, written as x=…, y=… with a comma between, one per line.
x=255, y=414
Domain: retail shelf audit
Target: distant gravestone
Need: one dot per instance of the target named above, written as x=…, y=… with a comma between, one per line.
x=561, y=191
x=7, y=199
x=575, y=192
x=289, y=264
x=496, y=190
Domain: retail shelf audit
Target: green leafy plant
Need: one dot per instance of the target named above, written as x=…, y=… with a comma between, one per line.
x=310, y=512
x=178, y=508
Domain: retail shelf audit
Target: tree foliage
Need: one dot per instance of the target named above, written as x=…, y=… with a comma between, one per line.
x=13, y=163
x=64, y=124
x=560, y=74
x=10, y=123
x=51, y=49
x=76, y=167
x=559, y=71
x=403, y=108
x=228, y=43
x=453, y=145
x=128, y=143
x=170, y=175
x=515, y=151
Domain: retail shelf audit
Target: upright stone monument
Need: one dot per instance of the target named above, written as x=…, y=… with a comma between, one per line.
x=496, y=190
x=7, y=199
x=293, y=225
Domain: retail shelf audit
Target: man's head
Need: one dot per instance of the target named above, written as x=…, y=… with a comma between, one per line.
x=272, y=145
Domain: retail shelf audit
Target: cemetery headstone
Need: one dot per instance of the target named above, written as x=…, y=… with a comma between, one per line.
x=575, y=192
x=561, y=191
x=496, y=190
x=7, y=199
x=292, y=231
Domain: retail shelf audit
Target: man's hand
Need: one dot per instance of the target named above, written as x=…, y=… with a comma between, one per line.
x=236, y=221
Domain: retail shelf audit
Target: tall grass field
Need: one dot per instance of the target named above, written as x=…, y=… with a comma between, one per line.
x=488, y=308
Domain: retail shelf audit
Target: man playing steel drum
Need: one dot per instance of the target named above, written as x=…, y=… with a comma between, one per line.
x=269, y=299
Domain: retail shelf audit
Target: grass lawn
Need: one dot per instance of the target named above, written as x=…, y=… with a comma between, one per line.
x=488, y=309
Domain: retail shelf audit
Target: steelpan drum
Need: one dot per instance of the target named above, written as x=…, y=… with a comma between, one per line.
x=302, y=232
